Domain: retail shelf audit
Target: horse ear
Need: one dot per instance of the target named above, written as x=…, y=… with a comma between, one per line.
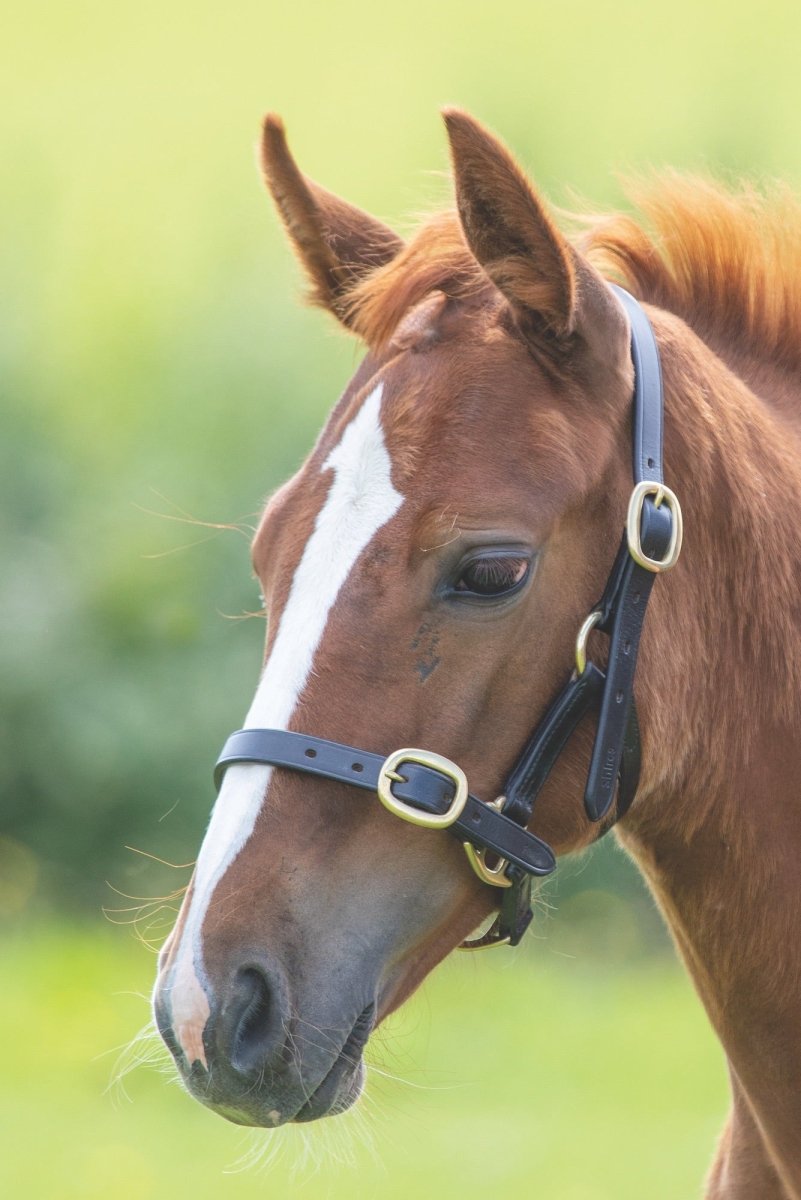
x=548, y=284
x=336, y=243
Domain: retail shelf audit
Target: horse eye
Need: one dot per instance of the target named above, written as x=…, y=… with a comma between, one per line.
x=492, y=575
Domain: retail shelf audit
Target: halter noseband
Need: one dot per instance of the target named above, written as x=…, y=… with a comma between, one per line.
x=429, y=790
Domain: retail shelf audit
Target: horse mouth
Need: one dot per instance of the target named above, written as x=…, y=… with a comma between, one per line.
x=343, y=1084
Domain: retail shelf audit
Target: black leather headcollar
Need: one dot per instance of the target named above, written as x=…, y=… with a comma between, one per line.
x=427, y=790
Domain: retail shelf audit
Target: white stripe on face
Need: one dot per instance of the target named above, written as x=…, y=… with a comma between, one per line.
x=360, y=501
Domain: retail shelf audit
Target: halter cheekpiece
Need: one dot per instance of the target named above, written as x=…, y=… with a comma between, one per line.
x=428, y=790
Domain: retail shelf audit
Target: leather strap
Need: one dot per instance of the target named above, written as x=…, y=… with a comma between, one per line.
x=648, y=399
x=581, y=696
x=549, y=739
x=423, y=787
x=616, y=752
x=622, y=619
x=626, y=596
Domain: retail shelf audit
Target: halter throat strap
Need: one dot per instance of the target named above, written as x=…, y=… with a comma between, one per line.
x=427, y=790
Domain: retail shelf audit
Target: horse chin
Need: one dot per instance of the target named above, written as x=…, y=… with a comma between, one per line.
x=339, y=1091
x=343, y=1084
x=299, y=1097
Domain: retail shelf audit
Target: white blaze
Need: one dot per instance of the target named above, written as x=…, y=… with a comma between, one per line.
x=360, y=501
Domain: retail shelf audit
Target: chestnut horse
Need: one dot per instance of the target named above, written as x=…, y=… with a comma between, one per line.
x=424, y=576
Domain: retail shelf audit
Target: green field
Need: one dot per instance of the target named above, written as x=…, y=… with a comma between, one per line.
x=519, y=1074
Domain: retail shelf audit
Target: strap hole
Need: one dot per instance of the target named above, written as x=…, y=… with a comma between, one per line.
x=651, y=462
x=357, y=767
x=626, y=647
x=618, y=698
x=310, y=753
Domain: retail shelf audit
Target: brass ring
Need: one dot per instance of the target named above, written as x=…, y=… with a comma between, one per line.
x=581, y=640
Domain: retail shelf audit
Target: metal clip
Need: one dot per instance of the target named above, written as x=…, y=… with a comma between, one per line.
x=494, y=876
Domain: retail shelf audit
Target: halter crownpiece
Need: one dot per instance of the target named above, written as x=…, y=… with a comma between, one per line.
x=431, y=791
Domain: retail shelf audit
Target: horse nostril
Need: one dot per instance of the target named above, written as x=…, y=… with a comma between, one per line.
x=255, y=1023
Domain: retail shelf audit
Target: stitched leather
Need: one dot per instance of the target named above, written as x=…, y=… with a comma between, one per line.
x=548, y=741
x=577, y=699
x=626, y=595
x=624, y=622
x=423, y=787
x=516, y=912
x=648, y=399
x=629, y=776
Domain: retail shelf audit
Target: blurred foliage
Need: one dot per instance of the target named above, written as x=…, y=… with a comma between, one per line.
x=621, y=1097
x=154, y=358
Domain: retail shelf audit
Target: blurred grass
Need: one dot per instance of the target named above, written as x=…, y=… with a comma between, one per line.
x=529, y=1073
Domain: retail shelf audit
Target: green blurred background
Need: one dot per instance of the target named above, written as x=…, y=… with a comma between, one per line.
x=156, y=368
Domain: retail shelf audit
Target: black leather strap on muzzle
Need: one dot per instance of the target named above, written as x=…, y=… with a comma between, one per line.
x=421, y=787
x=650, y=546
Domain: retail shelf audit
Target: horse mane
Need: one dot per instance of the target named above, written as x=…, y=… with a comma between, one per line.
x=727, y=261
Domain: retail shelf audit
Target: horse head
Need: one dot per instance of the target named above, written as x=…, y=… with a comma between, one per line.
x=424, y=575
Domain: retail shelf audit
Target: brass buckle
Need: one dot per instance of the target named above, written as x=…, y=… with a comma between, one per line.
x=425, y=758
x=662, y=495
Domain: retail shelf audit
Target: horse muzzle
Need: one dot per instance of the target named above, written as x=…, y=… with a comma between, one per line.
x=244, y=1051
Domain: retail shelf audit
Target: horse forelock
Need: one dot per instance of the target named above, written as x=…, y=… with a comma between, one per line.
x=725, y=260
x=436, y=259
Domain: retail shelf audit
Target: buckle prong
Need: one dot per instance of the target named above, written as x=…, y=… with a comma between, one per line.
x=407, y=812
x=662, y=494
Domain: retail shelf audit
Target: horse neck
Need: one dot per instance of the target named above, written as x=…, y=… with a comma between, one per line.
x=717, y=827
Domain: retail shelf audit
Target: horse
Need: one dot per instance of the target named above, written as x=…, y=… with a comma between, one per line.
x=425, y=574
